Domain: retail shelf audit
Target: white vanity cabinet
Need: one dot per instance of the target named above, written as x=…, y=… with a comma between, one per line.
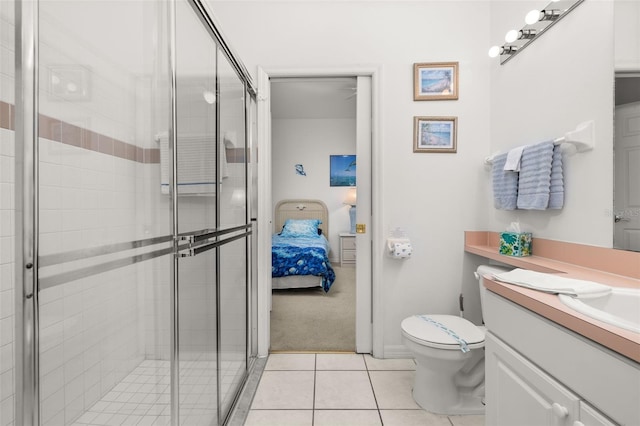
x=539, y=373
x=519, y=393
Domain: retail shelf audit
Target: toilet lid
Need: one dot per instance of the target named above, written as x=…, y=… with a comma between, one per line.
x=439, y=330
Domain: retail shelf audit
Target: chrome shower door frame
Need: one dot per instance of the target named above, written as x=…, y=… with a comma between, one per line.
x=27, y=283
x=27, y=410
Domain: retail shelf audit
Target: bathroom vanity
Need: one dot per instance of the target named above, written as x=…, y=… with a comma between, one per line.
x=547, y=364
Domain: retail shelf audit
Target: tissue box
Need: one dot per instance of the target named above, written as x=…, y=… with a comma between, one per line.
x=515, y=244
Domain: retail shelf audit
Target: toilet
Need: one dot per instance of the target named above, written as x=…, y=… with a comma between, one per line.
x=449, y=354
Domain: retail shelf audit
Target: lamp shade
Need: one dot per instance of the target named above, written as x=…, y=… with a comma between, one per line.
x=351, y=197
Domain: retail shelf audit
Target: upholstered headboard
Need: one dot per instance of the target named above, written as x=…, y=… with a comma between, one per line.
x=302, y=209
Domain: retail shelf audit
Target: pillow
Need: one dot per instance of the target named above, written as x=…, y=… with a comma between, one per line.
x=300, y=228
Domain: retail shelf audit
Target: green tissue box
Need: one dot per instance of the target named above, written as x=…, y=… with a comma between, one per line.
x=515, y=244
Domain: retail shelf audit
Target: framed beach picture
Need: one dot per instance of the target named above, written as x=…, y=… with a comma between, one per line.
x=342, y=170
x=434, y=134
x=435, y=81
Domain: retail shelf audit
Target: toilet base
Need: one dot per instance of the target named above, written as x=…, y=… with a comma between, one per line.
x=439, y=394
x=467, y=404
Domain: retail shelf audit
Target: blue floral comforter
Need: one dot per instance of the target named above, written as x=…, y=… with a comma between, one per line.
x=302, y=256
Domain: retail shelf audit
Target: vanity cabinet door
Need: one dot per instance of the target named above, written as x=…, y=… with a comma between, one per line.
x=519, y=393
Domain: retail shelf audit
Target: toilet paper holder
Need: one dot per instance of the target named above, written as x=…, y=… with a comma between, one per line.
x=399, y=248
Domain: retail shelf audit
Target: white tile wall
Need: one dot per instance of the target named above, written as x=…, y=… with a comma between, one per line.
x=90, y=328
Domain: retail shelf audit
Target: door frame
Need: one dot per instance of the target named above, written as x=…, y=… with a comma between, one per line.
x=620, y=201
x=264, y=202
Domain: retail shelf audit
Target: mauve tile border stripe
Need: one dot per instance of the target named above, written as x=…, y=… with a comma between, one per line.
x=60, y=131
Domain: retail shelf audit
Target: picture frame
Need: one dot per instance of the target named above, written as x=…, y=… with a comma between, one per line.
x=435, y=134
x=342, y=170
x=435, y=81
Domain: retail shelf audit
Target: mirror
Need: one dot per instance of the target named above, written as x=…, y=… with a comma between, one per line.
x=626, y=190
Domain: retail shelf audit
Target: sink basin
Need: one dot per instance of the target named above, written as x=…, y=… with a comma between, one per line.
x=620, y=308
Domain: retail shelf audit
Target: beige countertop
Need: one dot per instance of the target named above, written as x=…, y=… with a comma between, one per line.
x=622, y=341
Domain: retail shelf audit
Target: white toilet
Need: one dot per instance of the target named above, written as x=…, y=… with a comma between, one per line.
x=449, y=353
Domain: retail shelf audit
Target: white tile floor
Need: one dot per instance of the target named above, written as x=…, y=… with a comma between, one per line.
x=341, y=389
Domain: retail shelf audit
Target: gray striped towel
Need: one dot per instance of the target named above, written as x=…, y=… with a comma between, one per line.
x=535, y=177
x=556, y=188
x=505, y=184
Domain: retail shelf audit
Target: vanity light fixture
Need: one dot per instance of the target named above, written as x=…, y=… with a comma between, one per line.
x=507, y=49
x=549, y=15
x=527, y=34
x=537, y=22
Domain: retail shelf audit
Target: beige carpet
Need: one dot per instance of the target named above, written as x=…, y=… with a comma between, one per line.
x=312, y=320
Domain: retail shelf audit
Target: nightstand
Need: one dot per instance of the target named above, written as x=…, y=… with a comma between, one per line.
x=347, y=249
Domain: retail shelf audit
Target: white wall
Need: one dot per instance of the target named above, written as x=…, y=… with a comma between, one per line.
x=310, y=142
x=434, y=197
x=563, y=78
x=627, y=35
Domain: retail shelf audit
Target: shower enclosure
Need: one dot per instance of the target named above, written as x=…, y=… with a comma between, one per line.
x=130, y=132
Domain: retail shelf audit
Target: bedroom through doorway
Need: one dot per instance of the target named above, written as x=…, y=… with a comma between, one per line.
x=313, y=124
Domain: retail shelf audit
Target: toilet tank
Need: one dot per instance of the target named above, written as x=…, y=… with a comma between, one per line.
x=473, y=290
x=487, y=270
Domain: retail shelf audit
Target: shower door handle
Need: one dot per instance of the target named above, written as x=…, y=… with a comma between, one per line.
x=194, y=250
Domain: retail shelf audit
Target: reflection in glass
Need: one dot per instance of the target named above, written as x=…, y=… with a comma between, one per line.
x=104, y=337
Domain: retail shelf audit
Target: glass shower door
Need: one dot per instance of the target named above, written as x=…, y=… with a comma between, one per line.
x=132, y=307
x=197, y=188
x=104, y=240
x=234, y=252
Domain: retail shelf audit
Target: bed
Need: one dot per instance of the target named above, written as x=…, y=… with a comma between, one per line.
x=299, y=252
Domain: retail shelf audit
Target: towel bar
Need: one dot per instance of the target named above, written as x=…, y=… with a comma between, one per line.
x=582, y=138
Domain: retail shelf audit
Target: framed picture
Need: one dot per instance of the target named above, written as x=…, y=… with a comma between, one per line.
x=435, y=81
x=434, y=134
x=342, y=170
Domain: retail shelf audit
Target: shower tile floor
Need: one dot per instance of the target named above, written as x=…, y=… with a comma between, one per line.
x=143, y=397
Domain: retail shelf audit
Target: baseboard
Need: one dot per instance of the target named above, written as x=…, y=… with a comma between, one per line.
x=396, y=351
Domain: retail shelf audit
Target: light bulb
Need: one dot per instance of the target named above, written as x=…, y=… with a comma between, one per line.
x=494, y=51
x=532, y=17
x=511, y=36
x=209, y=97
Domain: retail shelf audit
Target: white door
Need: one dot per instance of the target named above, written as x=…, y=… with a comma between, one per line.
x=264, y=213
x=626, y=213
x=363, y=216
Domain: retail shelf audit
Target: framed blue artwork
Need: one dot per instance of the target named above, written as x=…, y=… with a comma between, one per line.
x=342, y=170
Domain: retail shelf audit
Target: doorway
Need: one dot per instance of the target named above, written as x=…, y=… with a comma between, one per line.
x=357, y=88
x=313, y=156
x=626, y=216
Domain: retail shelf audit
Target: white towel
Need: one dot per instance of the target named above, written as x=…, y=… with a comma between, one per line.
x=551, y=283
x=513, y=159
